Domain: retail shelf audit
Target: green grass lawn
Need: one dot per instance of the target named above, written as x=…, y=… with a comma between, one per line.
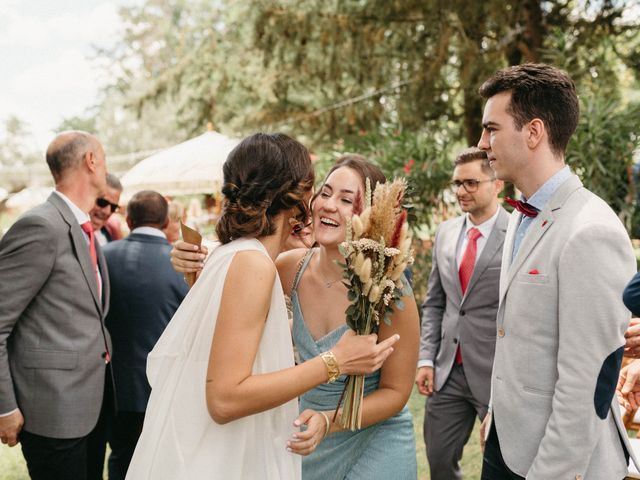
x=12, y=466
x=471, y=458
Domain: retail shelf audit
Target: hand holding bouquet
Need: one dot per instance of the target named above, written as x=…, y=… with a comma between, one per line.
x=377, y=250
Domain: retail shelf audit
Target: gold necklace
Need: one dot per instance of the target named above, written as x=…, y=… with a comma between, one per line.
x=326, y=283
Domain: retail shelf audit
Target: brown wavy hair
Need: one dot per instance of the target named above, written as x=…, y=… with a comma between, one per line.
x=264, y=175
x=364, y=168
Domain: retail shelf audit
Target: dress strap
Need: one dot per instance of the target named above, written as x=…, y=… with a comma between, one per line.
x=302, y=264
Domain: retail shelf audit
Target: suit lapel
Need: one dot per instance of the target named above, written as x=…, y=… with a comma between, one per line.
x=509, y=239
x=104, y=275
x=494, y=242
x=538, y=228
x=80, y=246
x=449, y=245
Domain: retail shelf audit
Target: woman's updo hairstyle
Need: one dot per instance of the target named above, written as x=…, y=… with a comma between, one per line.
x=264, y=175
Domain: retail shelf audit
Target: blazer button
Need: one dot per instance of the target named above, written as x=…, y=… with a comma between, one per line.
x=455, y=340
x=500, y=332
x=463, y=313
x=104, y=355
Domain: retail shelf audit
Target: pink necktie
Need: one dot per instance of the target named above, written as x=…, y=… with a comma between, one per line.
x=466, y=269
x=88, y=229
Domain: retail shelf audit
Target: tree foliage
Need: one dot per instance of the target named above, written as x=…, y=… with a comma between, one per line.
x=601, y=152
x=359, y=69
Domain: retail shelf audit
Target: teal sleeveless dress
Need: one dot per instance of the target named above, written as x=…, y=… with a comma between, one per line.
x=386, y=450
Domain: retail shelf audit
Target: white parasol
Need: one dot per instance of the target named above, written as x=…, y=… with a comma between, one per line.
x=191, y=167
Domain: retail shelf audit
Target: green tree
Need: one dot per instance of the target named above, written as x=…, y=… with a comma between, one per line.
x=15, y=144
x=601, y=152
x=358, y=69
x=86, y=122
x=331, y=69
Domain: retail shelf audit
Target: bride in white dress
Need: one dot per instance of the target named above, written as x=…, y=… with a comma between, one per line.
x=224, y=386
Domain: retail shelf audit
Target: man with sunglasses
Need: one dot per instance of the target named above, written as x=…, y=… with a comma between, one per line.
x=458, y=315
x=105, y=206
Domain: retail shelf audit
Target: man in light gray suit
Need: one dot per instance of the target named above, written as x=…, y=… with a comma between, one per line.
x=561, y=320
x=54, y=292
x=459, y=315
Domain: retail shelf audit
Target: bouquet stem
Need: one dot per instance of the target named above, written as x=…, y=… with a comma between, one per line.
x=351, y=417
x=353, y=394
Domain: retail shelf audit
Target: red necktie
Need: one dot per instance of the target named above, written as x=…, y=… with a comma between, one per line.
x=466, y=268
x=88, y=229
x=523, y=207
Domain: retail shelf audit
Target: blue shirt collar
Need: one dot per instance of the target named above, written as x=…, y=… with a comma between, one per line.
x=542, y=196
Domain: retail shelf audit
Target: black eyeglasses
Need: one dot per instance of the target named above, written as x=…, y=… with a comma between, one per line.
x=103, y=202
x=469, y=184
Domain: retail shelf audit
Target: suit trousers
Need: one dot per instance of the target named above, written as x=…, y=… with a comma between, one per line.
x=69, y=458
x=450, y=416
x=125, y=430
x=493, y=466
x=97, y=439
x=55, y=458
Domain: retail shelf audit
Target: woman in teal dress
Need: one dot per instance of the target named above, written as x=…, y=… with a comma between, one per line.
x=385, y=446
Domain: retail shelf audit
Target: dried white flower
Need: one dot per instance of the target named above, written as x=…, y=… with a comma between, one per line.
x=387, y=298
x=367, y=287
x=397, y=271
x=365, y=271
x=357, y=227
x=364, y=218
x=374, y=294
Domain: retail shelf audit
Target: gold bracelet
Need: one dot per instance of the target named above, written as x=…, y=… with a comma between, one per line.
x=326, y=419
x=333, y=370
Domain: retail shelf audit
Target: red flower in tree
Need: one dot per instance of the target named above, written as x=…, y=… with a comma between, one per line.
x=409, y=165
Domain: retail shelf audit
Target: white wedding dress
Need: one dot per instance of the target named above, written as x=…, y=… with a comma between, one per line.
x=179, y=439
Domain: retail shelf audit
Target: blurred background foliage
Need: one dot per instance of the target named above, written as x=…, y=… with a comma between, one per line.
x=395, y=80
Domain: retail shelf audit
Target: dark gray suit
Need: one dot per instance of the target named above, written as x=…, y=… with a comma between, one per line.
x=449, y=319
x=52, y=337
x=146, y=292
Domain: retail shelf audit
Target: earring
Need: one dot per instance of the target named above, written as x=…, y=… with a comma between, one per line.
x=296, y=225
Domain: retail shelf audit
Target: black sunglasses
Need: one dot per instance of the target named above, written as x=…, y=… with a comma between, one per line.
x=103, y=202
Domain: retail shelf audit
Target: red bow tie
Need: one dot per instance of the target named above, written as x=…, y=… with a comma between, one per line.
x=523, y=207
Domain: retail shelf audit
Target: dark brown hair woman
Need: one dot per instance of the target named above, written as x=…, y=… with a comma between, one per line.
x=224, y=384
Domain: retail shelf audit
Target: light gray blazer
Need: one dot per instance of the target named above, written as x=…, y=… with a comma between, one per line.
x=448, y=317
x=560, y=335
x=52, y=336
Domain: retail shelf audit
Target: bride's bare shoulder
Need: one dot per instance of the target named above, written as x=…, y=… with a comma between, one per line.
x=251, y=264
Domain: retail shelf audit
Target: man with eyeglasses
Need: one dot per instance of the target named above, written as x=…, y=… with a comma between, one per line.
x=106, y=205
x=459, y=315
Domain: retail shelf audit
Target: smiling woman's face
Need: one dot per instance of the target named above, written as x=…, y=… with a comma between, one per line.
x=334, y=205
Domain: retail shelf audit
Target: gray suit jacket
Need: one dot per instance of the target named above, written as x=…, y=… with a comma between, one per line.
x=449, y=318
x=52, y=336
x=560, y=335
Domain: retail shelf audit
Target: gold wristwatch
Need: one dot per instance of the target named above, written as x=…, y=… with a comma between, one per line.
x=333, y=369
